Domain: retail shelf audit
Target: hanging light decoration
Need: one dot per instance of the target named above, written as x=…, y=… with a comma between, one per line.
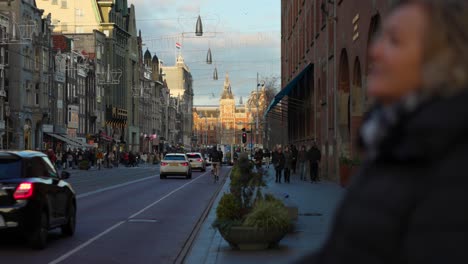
x=199, y=27
x=215, y=74
x=208, y=57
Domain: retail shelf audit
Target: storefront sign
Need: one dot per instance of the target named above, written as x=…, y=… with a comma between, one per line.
x=46, y=128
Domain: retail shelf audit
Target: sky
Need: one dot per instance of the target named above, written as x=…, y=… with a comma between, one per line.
x=243, y=35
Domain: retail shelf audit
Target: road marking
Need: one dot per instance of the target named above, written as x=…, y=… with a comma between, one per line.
x=68, y=254
x=87, y=243
x=113, y=187
x=165, y=196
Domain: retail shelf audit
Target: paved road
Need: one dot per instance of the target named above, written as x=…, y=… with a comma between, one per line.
x=125, y=215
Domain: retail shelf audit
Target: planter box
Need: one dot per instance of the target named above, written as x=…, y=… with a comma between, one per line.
x=251, y=238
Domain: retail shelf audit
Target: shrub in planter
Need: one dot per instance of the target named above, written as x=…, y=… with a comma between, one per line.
x=245, y=217
x=227, y=213
x=268, y=215
x=348, y=167
x=245, y=184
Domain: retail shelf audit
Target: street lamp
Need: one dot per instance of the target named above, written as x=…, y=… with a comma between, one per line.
x=7, y=115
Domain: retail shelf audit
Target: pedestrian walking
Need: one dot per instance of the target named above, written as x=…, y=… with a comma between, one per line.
x=70, y=159
x=302, y=159
x=288, y=161
x=267, y=156
x=407, y=204
x=278, y=161
x=99, y=158
x=294, y=153
x=59, y=162
x=314, y=160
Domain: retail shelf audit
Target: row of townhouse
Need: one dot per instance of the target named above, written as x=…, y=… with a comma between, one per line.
x=73, y=75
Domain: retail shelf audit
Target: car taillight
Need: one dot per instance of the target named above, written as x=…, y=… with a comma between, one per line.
x=184, y=164
x=199, y=160
x=163, y=163
x=23, y=191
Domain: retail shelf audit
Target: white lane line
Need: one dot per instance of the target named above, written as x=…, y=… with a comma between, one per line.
x=68, y=254
x=87, y=243
x=113, y=187
x=165, y=196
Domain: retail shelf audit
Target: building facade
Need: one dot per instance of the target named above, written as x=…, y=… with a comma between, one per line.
x=223, y=124
x=324, y=68
x=116, y=78
x=26, y=80
x=179, y=81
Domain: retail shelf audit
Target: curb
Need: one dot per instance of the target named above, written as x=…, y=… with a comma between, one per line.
x=193, y=235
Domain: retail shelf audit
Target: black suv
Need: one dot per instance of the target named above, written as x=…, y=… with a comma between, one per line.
x=33, y=197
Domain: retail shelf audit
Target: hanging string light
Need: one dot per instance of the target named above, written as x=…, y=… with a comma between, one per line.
x=209, y=59
x=215, y=74
x=199, y=27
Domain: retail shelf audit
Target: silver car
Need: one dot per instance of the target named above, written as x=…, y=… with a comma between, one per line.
x=175, y=164
x=196, y=161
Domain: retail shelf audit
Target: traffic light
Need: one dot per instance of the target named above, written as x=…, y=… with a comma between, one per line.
x=244, y=137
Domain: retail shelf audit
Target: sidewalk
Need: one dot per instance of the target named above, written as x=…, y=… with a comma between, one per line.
x=316, y=204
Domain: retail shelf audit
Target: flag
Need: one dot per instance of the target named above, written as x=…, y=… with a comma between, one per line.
x=178, y=45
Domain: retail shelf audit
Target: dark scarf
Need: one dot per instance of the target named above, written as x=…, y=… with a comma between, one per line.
x=381, y=123
x=415, y=128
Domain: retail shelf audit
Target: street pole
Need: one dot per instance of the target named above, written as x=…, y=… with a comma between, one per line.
x=2, y=95
x=251, y=144
x=256, y=123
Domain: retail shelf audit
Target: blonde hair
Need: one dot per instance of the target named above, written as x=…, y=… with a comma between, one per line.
x=445, y=62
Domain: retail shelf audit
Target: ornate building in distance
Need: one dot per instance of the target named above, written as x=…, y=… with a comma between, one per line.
x=223, y=123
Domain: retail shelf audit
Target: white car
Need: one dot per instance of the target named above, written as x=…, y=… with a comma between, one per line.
x=175, y=164
x=196, y=160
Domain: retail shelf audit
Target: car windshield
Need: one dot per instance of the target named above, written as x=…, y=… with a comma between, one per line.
x=174, y=157
x=10, y=168
x=193, y=156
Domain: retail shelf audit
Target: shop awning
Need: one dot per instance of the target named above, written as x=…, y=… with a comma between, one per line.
x=287, y=89
x=69, y=141
x=105, y=137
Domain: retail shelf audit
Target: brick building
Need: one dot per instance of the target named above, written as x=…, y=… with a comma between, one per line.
x=324, y=68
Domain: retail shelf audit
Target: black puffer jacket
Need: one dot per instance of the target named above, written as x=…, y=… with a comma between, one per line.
x=410, y=204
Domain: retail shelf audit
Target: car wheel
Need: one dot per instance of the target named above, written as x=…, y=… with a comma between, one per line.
x=203, y=169
x=162, y=176
x=68, y=229
x=38, y=238
x=189, y=175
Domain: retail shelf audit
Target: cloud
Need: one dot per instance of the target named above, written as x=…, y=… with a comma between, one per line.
x=188, y=9
x=243, y=41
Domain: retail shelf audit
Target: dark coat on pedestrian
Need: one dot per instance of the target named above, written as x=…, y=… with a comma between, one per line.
x=288, y=159
x=278, y=160
x=314, y=155
x=408, y=203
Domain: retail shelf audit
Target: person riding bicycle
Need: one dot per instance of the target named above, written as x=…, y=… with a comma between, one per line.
x=216, y=158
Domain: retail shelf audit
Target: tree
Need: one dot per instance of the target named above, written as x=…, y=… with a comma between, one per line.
x=272, y=86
